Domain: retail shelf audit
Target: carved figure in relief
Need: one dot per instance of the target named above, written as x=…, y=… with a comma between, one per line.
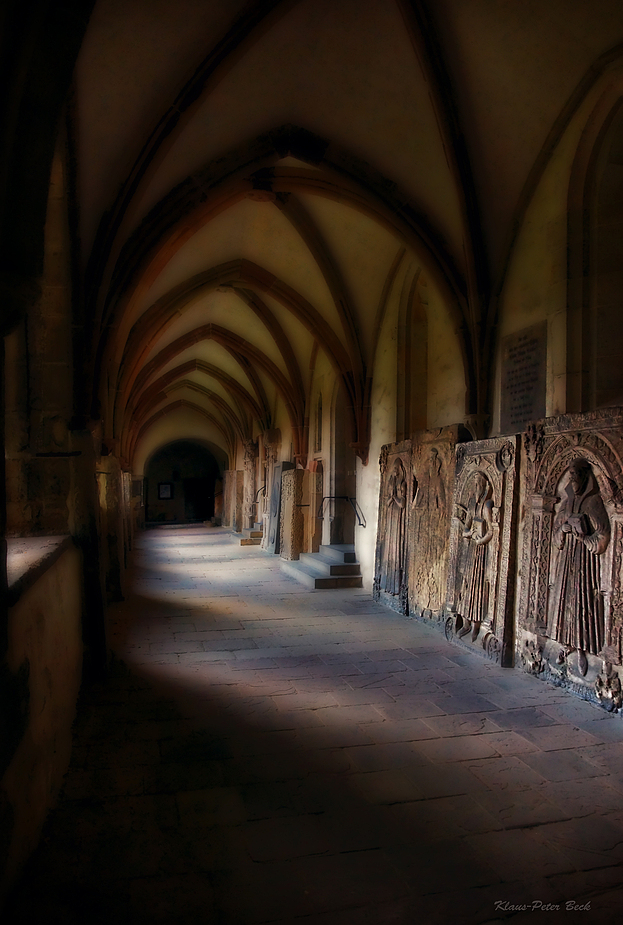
x=429, y=507
x=582, y=534
x=477, y=519
x=394, y=545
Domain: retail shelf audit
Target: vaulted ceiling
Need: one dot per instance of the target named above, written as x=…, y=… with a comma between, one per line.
x=251, y=177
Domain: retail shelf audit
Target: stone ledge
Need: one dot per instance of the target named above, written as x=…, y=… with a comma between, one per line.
x=28, y=558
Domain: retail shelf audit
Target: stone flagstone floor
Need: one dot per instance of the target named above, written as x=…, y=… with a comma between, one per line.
x=266, y=754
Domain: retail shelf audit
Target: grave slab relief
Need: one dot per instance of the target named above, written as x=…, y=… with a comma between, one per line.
x=272, y=444
x=482, y=547
x=250, y=457
x=432, y=467
x=274, y=516
x=395, y=498
x=292, y=520
x=571, y=600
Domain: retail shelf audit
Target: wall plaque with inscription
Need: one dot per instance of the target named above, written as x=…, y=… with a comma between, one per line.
x=524, y=366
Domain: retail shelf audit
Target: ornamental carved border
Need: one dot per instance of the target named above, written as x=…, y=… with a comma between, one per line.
x=482, y=547
x=581, y=659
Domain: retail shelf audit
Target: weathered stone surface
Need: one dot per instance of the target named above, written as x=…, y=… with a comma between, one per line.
x=292, y=523
x=250, y=457
x=482, y=545
x=300, y=750
x=433, y=463
x=274, y=513
x=227, y=497
x=109, y=481
x=239, y=501
x=571, y=600
x=233, y=499
x=395, y=501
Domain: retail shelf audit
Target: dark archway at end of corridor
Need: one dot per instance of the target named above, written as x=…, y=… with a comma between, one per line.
x=183, y=484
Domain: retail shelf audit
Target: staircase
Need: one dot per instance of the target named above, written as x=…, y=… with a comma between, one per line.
x=250, y=536
x=330, y=568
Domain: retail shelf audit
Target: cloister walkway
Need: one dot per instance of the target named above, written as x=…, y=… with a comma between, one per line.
x=261, y=753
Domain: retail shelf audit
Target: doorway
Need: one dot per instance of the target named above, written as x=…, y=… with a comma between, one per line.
x=180, y=483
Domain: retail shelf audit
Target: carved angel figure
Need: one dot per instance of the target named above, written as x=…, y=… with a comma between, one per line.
x=582, y=534
x=477, y=521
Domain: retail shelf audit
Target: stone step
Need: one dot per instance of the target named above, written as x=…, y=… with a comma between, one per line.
x=318, y=580
x=248, y=537
x=341, y=552
x=328, y=565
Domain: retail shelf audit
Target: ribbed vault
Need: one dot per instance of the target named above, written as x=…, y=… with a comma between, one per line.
x=277, y=172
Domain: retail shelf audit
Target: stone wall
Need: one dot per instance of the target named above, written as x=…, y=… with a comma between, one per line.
x=44, y=662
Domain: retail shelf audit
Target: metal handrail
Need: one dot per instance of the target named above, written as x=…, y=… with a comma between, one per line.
x=261, y=488
x=353, y=503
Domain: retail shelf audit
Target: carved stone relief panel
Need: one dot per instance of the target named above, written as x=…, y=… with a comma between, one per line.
x=430, y=499
x=482, y=546
x=571, y=600
x=274, y=513
x=292, y=522
x=272, y=441
x=395, y=500
x=250, y=457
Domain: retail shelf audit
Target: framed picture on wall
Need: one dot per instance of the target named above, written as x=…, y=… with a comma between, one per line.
x=165, y=491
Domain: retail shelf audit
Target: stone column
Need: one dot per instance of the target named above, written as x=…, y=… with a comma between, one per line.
x=238, y=499
x=111, y=526
x=218, y=502
x=312, y=497
x=228, y=507
x=84, y=519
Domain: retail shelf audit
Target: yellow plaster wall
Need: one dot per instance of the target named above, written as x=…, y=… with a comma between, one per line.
x=446, y=376
x=184, y=424
x=382, y=430
x=535, y=286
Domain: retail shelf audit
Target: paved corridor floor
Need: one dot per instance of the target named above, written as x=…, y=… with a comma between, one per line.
x=262, y=753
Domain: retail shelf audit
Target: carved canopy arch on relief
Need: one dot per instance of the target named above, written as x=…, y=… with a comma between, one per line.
x=603, y=458
x=465, y=481
x=571, y=596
